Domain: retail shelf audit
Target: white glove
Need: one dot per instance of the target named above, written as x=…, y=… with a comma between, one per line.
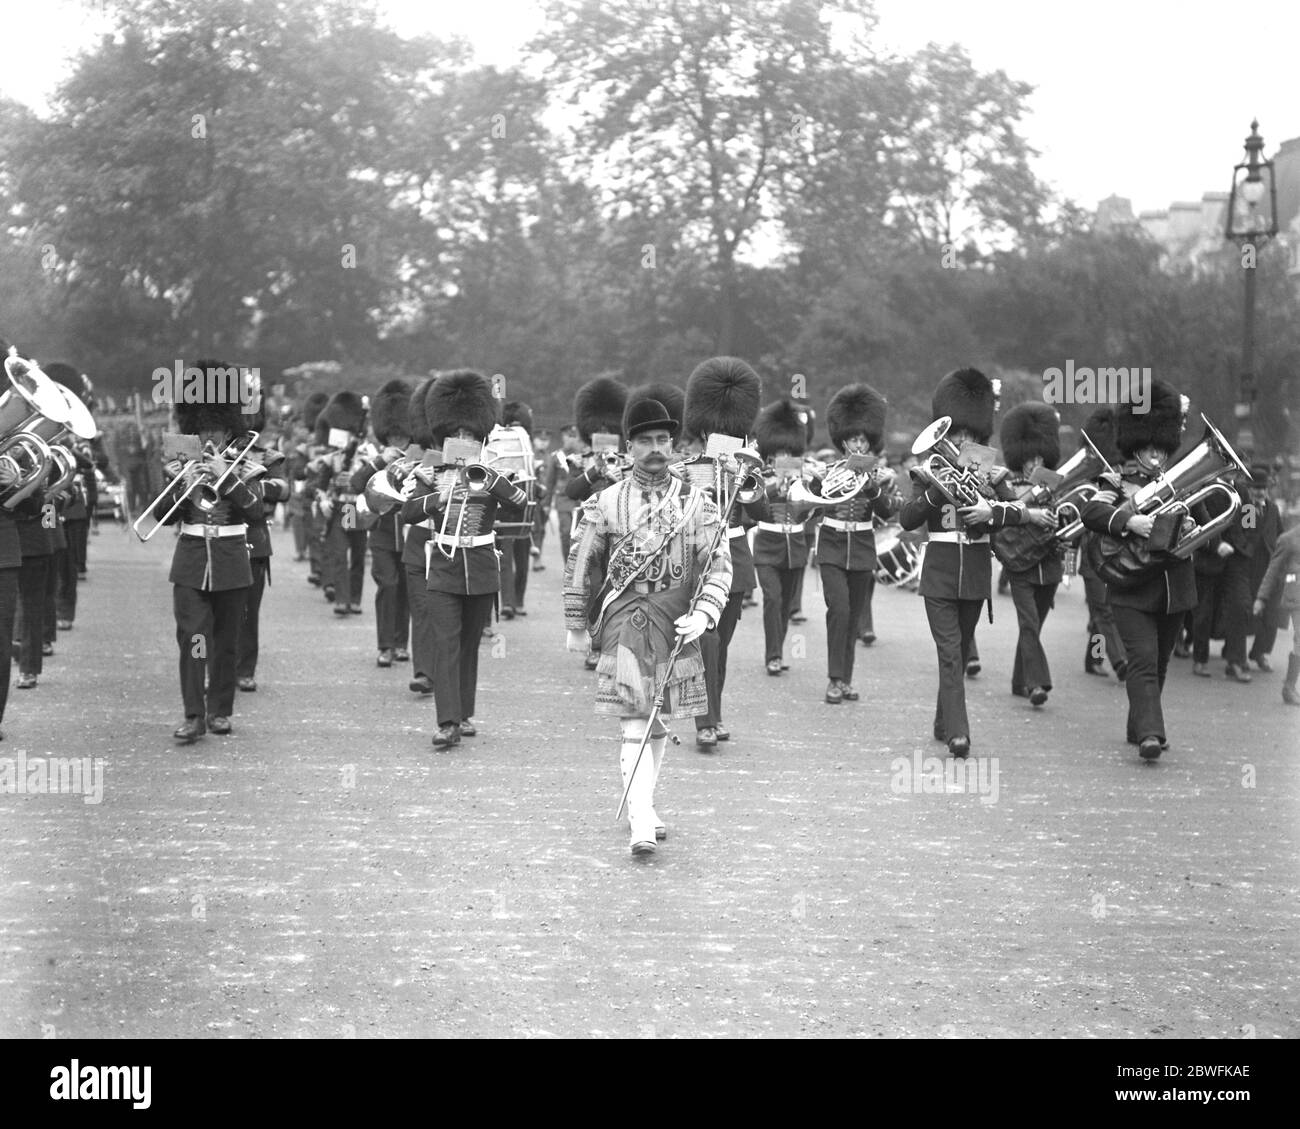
x=691, y=626
x=579, y=642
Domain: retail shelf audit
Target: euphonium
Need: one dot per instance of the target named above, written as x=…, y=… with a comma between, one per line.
x=962, y=486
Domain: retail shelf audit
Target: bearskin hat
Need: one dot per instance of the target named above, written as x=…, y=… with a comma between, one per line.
x=723, y=396
x=517, y=412
x=417, y=420
x=388, y=410
x=312, y=408
x=222, y=414
x=1161, y=427
x=598, y=406
x=779, y=428
x=1030, y=429
x=858, y=408
x=460, y=398
x=344, y=411
x=1100, y=428
x=967, y=395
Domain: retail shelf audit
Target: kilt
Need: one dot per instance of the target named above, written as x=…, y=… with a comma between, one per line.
x=635, y=639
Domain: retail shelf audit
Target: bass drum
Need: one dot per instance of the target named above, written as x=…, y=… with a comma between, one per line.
x=897, y=561
x=509, y=451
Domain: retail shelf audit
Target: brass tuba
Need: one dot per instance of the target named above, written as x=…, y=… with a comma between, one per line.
x=33, y=413
x=1068, y=496
x=1189, y=482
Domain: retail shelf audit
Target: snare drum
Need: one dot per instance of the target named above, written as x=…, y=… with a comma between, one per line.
x=897, y=561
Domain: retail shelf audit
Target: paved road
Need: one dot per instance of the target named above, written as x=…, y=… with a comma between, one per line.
x=323, y=872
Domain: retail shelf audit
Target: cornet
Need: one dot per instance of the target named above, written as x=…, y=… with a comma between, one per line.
x=960, y=485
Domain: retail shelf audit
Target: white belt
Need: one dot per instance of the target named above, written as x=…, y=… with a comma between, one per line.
x=778, y=527
x=958, y=537
x=735, y=531
x=464, y=542
x=214, y=530
x=847, y=526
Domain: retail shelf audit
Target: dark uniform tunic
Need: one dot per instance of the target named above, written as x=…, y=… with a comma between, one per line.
x=274, y=491
x=956, y=580
x=846, y=558
x=1148, y=616
x=210, y=575
x=1033, y=591
x=780, y=556
x=460, y=584
x=715, y=643
x=392, y=608
x=11, y=559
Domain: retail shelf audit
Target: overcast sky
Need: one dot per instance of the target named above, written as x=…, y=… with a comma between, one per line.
x=1151, y=99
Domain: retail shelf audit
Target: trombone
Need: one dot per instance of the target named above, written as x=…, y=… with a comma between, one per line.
x=203, y=486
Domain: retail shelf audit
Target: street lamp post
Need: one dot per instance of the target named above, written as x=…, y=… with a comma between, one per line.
x=1252, y=220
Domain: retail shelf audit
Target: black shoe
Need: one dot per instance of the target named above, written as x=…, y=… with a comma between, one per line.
x=385, y=658
x=644, y=850
x=1238, y=673
x=959, y=747
x=66, y=625
x=189, y=730
x=724, y=734
x=314, y=579
x=329, y=593
x=401, y=655
x=519, y=611
x=248, y=685
x=340, y=609
x=447, y=736
x=507, y=612
x=467, y=728
x=706, y=738
x=421, y=684
x=47, y=649
x=774, y=667
x=972, y=668
x=834, y=693
x=219, y=725
x=1037, y=697
x=1121, y=670
x=850, y=694
x=590, y=661
x=866, y=638
x=26, y=681
x=798, y=617
x=354, y=609
x=1260, y=661
x=1150, y=749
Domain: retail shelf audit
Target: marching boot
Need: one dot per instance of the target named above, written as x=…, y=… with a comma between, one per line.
x=1091, y=665
x=1289, y=694
x=640, y=795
